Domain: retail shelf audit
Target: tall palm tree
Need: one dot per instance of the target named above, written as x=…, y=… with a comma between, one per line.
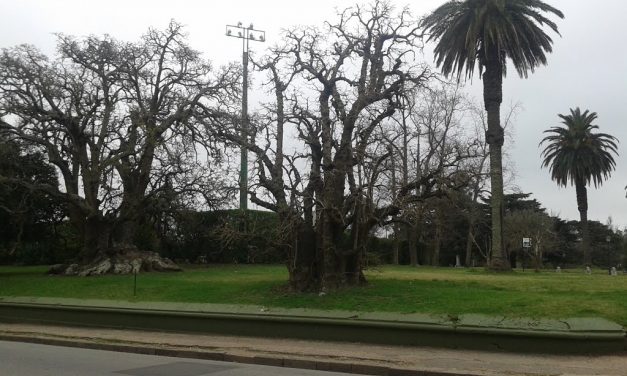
x=485, y=34
x=577, y=155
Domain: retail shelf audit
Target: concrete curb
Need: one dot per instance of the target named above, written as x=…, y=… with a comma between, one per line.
x=576, y=335
x=287, y=362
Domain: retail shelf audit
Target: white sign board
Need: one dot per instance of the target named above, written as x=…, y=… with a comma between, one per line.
x=526, y=243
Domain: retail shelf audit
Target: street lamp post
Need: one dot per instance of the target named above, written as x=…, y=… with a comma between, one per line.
x=246, y=34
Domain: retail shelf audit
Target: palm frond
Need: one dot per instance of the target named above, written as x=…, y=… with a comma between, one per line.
x=468, y=31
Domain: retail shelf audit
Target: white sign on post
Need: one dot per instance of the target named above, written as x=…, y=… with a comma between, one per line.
x=526, y=243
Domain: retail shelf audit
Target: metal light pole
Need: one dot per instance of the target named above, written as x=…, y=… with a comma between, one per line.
x=245, y=34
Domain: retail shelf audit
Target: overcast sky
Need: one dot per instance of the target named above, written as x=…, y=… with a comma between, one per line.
x=588, y=67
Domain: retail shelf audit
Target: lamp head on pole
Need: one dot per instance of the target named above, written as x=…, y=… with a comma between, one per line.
x=248, y=33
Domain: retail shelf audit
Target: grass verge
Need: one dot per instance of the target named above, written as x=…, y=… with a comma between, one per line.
x=390, y=289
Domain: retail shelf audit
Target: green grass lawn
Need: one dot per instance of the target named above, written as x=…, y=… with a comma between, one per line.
x=393, y=289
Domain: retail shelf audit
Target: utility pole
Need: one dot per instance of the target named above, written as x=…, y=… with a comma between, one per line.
x=245, y=34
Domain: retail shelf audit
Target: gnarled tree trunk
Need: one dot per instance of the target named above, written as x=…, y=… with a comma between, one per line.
x=303, y=266
x=107, y=251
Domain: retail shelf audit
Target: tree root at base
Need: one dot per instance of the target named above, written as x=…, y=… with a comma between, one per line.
x=123, y=262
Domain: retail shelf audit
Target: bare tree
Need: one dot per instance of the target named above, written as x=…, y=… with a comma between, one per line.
x=479, y=188
x=64, y=108
x=358, y=82
x=110, y=116
x=434, y=148
x=166, y=87
x=336, y=86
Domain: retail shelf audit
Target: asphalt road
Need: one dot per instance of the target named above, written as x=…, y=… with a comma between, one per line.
x=25, y=359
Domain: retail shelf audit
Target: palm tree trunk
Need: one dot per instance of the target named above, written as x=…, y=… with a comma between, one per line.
x=582, y=206
x=499, y=259
x=493, y=96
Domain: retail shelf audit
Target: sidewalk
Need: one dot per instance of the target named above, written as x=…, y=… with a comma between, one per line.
x=469, y=331
x=343, y=357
